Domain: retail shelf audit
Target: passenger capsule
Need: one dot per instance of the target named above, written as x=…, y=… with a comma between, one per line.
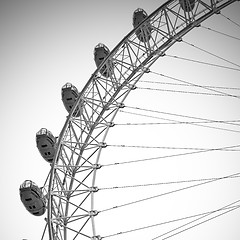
x=143, y=33
x=100, y=53
x=187, y=5
x=46, y=144
x=32, y=198
x=69, y=97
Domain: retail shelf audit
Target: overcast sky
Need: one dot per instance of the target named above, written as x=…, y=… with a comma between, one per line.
x=45, y=44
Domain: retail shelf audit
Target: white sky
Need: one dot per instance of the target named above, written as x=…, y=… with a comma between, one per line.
x=45, y=44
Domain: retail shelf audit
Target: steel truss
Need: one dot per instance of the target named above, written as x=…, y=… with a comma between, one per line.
x=72, y=186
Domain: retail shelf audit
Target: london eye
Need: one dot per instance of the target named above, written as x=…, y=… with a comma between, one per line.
x=107, y=178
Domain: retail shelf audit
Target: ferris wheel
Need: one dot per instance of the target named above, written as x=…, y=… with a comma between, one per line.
x=71, y=192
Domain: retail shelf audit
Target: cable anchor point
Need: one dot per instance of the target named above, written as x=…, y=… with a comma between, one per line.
x=96, y=238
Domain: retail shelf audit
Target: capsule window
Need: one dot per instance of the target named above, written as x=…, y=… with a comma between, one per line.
x=68, y=99
x=28, y=199
x=101, y=58
x=36, y=213
x=45, y=145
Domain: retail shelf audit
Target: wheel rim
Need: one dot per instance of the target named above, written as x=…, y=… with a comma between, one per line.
x=82, y=138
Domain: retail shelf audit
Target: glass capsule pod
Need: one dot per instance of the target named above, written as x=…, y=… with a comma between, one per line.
x=69, y=97
x=187, y=5
x=100, y=53
x=143, y=33
x=46, y=144
x=32, y=198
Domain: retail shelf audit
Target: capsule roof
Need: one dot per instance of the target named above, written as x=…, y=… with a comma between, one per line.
x=102, y=50
x=140, y=10
x=69, y=93
x=44, y=131
x=27, y=184
x=70, y=86
x=101, y=45
x=138, y=16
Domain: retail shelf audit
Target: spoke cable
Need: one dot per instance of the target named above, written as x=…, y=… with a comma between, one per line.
x=178, y=115
x=212, y=54
x=197, y=224
x=201, y=62
x=168, y=148
x=235, y=23
x=167, y=156
x=200, y=86
x=174, y=123
x=195, y=124
x=174, y=220
x=233, y=122
x=189, y=92
x=185, y=85
x=166, y=193
x=161, y=183
x=221, y=33
x=172, y=114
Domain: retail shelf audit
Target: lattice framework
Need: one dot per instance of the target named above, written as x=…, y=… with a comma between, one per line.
x=72, y=181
